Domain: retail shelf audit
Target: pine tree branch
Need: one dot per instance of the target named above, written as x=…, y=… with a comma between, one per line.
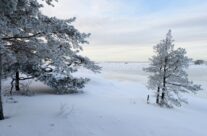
x=20, y=37
x=177, y=84
x=25, y=78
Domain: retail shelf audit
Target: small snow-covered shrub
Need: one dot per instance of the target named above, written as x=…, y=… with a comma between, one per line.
x=64, y=85
x=199, y=62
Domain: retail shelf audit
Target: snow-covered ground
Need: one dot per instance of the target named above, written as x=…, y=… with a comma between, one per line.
x=113, y=103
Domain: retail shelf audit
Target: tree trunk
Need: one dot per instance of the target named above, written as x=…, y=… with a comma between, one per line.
x=164, y=83
x=1, y=106
x=163, y=96
x=163, y=91
x=17, y=81
x=158, y=95
x=158, y=89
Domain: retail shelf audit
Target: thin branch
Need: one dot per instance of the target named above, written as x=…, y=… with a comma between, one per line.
x=20, y=37
x=176, y=84
x=25, y=78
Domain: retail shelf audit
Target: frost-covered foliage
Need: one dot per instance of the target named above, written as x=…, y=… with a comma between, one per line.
x=168, y=76
x=63, y=84
x=199, y=62
x=40, y=46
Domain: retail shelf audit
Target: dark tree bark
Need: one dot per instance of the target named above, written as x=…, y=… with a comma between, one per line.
x=163, y=90
x=164, y=83
x=163, y=96
x=1, y=105
x=158, y=91
x=1, y=108
x=17, y=81
x=158, y=95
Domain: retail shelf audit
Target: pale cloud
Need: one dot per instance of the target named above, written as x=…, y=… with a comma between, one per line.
x=121, y=31
x=83, y=8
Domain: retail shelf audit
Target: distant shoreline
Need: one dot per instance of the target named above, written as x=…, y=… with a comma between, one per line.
x=122, y=61
x=205, y=62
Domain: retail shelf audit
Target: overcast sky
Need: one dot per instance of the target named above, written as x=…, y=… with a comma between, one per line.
x=126, y=30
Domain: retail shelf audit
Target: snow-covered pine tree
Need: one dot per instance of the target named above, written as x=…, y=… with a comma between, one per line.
x=41, y=47
x=168, y=76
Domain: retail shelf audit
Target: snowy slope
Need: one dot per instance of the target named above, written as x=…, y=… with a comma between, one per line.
x=113, y=104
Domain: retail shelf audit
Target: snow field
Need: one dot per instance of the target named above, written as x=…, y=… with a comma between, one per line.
x=112, y=104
